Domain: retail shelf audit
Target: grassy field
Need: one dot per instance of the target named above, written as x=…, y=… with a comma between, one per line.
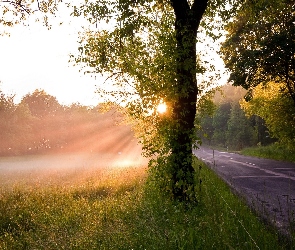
x=121, y=209
x=273, y=151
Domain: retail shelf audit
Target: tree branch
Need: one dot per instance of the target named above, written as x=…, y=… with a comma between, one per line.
x=180, y=7
x=18, y=5
x=199, y=8
x=194, y=13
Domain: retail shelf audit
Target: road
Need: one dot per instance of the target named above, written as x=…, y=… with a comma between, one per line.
x=267, y=185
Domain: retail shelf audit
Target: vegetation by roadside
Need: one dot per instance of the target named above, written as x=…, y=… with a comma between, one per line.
x=274, y=151
x=122, y=209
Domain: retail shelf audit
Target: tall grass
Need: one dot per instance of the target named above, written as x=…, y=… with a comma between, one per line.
x=121, y=209
x=274, y=151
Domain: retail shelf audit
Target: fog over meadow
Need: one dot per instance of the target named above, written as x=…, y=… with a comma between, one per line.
x=43, y=142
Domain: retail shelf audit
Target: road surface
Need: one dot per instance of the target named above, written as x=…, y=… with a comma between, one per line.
x=267, y=185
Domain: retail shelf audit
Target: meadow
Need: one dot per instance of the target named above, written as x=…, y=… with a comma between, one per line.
x=121, y=208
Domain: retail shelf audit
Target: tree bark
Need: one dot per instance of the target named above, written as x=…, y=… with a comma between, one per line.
x=186, y=25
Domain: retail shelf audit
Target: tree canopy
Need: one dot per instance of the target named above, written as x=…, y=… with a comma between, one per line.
x=259, y=51
x=41, y=104
x=276, y=108
x=40, y=125
x=260, y=45
x=148, y=49
x=226, y=125
x=17, y=12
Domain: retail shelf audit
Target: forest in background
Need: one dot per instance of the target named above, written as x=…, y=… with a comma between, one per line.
x=226, y=125
x=40, y=124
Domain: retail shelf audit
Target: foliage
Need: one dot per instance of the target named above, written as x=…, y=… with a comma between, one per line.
x=274, y=105
x=220, y=124
x=148, y=50
x=6, y=109
x=240, y=132
x=260, y=45
x=17, y=12
x=259, y=52
x=226, y=124
x=39, y=124
x=119, y=209
x=205, y=111
x=41, y=104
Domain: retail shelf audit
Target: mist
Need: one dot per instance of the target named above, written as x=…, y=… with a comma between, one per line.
x=45, y=143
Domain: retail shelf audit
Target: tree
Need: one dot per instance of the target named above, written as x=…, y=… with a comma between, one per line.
x=240, y=133
x=7, y=107
x=187, y=21
x=220, y=124
x=41, y=104
x=260, y=45
x=149, y=51
x=262, y=132
x=15, y=125
x=15, y=12
x=276, y=108
x=44, y=108
x=225, y=98
x=204, y=117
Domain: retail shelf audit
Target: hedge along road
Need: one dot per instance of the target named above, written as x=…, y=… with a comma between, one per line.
x=267, y=185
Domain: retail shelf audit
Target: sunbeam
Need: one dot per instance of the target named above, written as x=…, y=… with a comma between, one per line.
x=90, y=147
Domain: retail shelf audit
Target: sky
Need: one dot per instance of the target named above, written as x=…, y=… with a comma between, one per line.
x=33, y=57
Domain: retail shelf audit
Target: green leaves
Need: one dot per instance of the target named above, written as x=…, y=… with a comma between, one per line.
x=260, y=44
x=271, y=102
x=137, y=51
x=259, y=51
x=148, y=51
x=17, y=12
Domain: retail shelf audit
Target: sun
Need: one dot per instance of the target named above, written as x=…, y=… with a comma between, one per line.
x=162, y=107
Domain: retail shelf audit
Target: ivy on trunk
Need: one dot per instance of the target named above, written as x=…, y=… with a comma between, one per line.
x=187, y=22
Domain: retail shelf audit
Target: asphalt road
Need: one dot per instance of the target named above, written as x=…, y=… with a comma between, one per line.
x=267, y=185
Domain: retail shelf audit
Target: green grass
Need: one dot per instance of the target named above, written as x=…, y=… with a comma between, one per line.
x=120, y=209
x=274, y=151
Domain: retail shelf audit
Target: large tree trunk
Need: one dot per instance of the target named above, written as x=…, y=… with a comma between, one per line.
x=186, y=90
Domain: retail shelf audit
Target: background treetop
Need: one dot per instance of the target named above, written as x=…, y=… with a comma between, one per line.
x=260, y=45
x=17, y=12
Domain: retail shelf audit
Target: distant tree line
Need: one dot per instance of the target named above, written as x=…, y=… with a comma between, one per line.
x=40, y=124
x=259, y=53
x=227, y=125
